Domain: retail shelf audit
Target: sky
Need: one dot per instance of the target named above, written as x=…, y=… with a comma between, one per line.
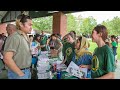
x=99, y=15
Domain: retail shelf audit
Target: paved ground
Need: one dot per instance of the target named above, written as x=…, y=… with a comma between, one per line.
x=117, y=71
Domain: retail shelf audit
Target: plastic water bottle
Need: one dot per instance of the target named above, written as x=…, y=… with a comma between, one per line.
x=50, y=75
x=58, y=74
x=89, y=74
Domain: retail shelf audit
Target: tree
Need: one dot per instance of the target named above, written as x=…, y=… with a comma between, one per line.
x=71, y=23
x=87, y=25
x=44, y=23
x=113, y=25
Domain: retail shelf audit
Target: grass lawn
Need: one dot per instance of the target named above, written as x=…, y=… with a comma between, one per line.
x=94, y=45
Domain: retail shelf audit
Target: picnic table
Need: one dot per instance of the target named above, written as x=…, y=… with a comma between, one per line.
x=45, y=62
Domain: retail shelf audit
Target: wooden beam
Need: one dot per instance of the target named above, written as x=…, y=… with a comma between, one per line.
x=2, y=20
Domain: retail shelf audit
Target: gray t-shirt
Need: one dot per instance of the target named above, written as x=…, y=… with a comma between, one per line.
x=18, y=44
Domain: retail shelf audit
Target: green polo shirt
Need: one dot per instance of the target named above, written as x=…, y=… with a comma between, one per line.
x=19, y=44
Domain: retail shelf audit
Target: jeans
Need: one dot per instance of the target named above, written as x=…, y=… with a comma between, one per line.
x=12, y=75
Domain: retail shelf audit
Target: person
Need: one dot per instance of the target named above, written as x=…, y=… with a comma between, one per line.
x=116, y=50
x=107, y=42
x=10, y=28
x=31, y=40
x=83, y=56
x=68, y=49
x=36, y=49
x=74, y=34
x=103, y=61
x=1, y=56
x=114, y=44
x=55, y=46
x=17, y=55
x=43, y=41
x=1, y=43
x=59, y=36
x=4, y=36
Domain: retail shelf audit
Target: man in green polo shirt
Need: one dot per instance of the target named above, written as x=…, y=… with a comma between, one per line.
x=17, y=55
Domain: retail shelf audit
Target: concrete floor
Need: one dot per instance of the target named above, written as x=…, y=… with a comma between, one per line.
x=117, y=71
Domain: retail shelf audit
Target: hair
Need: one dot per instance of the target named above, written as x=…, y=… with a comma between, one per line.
x=30, y=36
x=74, y=36
x=80, y=39
x=35, y=37
x=22, y=18
x=113, y=36
x=1, y=36
x=73, y=32
x=101, y=29
x=107, y=41
x=11, y=25
x=58, y=35
x=71, y=35
x=54, y=35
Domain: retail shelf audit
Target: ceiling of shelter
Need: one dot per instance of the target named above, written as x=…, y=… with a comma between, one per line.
x=9, y=16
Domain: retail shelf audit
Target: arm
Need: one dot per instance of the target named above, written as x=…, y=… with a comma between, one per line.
x=64, y=37
x=61, y=45
x=64, y=61
x=48, y=42
x=11, y=64
x=109, y=75
x=85, y=66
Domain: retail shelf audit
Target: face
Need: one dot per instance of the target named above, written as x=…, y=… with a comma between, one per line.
x=112, y=39
x=95, y=36
x=53, y=38
x=8, y=30
x=27, y=26
x=69, y=38
x=38, y=38
x=77, y=44
x=42, y=33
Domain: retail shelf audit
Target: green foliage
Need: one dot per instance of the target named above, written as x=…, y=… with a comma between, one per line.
x=113, y=25
x=118, y=51
x=71, y=23
x=87, y=25
x=79, y=24
x=44, y=23
x=92, y=47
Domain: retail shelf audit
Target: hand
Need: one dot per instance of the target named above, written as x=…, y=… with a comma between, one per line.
x=61, y=63
x=83, y=66
x=22, y=74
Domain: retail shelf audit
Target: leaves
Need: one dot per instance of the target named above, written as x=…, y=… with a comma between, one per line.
x=44, y=23
x=78, y=24
x=113, y=25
